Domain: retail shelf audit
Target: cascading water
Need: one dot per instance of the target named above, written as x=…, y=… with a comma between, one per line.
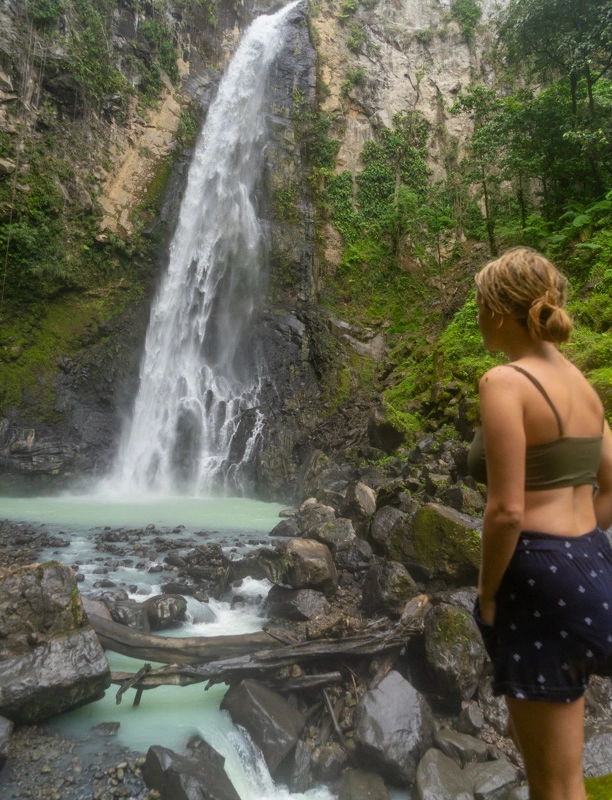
x=201, y=370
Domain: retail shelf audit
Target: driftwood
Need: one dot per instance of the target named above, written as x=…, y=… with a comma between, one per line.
x=165, y=677
x=264, y=663
x=188, y=650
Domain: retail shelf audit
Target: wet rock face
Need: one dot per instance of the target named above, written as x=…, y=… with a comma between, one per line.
x=310, y=566
x=6, y=728
x=357, y=784
x=273, y=724
x=387, y=587
x=50, y=658
x=438, y=541
x=296, y=604
x=178, y=777
x=393, y=729
x=438, y=776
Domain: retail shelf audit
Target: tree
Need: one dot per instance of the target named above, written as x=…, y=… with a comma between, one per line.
x=560, y=38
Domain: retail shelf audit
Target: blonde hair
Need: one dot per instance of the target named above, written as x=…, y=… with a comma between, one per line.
x=523, y=284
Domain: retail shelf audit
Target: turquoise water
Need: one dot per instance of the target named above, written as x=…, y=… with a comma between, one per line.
x=168, y=715
x=86, y=511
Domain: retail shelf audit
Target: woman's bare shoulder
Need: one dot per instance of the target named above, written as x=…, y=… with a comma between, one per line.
x=498, y=376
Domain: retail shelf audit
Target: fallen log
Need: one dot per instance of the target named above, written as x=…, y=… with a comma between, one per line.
x=187, y=650
x=260, y=664
x=165, y=677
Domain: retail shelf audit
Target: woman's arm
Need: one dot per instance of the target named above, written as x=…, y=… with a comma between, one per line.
x=602, y=502
x=501, y=412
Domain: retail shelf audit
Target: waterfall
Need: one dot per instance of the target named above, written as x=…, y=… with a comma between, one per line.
x=201, y=369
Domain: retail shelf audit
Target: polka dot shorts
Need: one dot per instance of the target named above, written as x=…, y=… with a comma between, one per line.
x=553, y=624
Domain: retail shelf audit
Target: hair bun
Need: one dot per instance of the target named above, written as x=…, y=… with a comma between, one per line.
x=546, y=320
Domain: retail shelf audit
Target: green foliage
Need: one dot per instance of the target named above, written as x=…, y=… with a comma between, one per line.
x=312, y=128
x=45, y=13
x=467, y=14
x=189, y=125
x=91, y=52
x=356, y=38
x=347, y=8
x=158, y=34
x=284, y=203
x=354, y=77
x=425, y=35
x=195, y=9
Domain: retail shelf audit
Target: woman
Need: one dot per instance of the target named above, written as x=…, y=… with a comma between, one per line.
x=545, y=589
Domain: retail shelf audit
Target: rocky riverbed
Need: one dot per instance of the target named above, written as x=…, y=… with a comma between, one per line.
x=369, y=556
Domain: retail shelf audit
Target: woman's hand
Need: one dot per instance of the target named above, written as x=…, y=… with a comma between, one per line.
x=487, y=610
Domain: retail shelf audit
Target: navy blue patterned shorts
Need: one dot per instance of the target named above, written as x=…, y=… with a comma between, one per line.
x=553, y=623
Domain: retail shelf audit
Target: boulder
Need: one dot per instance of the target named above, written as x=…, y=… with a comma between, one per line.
x=597, y=756
x=329, y=762
x=338, y=531
x=267, y=563
x=178, y=777
x=464, y=499
x=286, y=528
x=300, y=774
x=439, y=778
x=394, y=728
x=519, y=792
x=353, y=556
x=309, y=565
x=493, y=780
x=272, y=723
x=387, y=587
x=441, y=541
x=6, y=729
x=493, y=708
x=382, y=433
x=313, y=514
x=359, y=506
x=471, y=718
x=296, y=604
x=92, y=605
x=132, y=614
x=382, y=523
x=397, y=494
x=50, y=657
x=318, y=473
x=357, y=784
x=455, y=653
x=165, y=611
x=463, y=749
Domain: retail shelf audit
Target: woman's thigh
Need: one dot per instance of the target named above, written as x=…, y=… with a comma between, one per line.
x=550, y=737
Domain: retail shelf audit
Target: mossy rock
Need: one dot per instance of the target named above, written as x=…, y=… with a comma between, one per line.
x=454, y=652
x=446, y=543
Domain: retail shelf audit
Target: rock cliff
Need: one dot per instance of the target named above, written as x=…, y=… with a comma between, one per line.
x=69, y=353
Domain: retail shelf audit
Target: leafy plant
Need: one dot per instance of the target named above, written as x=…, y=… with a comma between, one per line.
x=467, y=14
x=356, y=38
x=354, y=77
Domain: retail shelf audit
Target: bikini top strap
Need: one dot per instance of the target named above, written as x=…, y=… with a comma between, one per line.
x=542, y=391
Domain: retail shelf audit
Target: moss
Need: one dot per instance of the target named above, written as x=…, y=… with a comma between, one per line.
x=452, y=627
x=28, y=381
x=75, y=608
x=599, y=788
x=441, y=543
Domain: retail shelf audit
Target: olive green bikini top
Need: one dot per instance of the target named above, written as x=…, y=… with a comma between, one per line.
x=566, y=461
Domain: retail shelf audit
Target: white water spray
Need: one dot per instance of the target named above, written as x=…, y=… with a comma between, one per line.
x=201, y=370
